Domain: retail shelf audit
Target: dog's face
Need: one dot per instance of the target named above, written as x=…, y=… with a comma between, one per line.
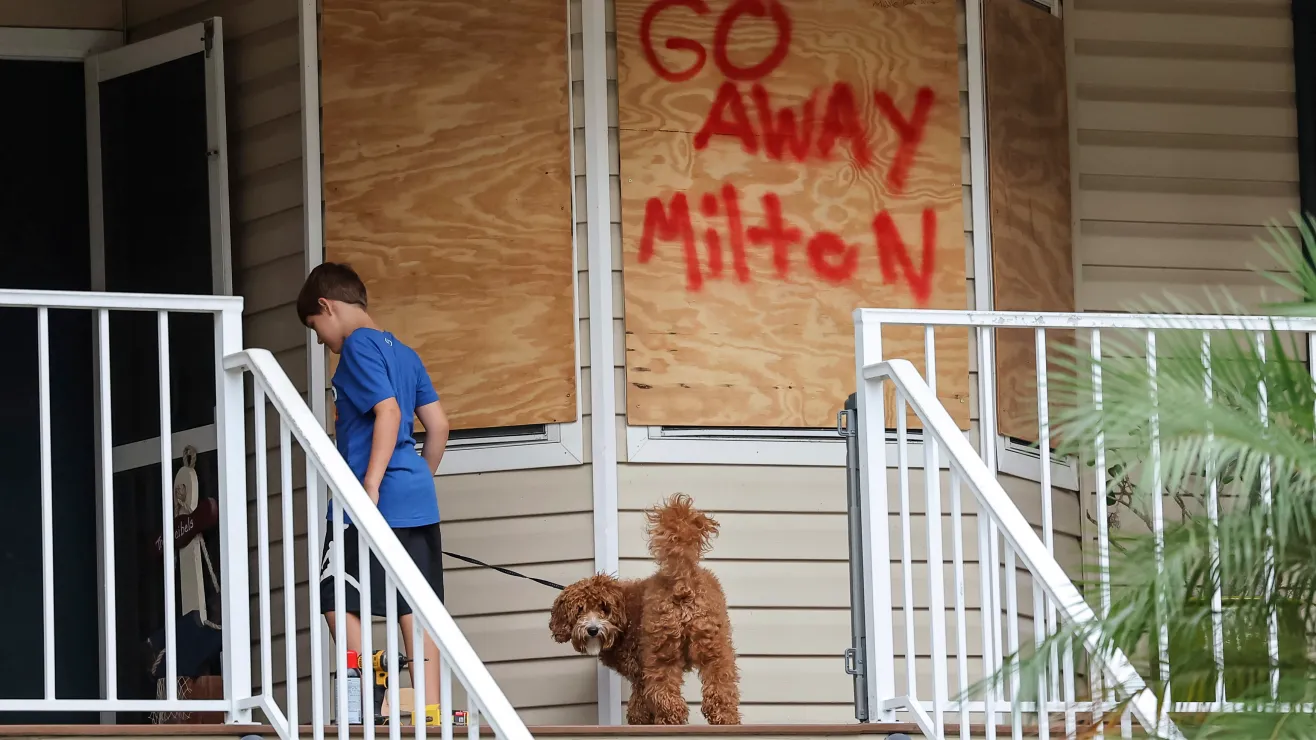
x=590, y=614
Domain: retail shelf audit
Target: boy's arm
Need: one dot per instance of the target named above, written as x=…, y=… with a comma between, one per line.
x=363, y=373
x=437, y=429
x=388, y=417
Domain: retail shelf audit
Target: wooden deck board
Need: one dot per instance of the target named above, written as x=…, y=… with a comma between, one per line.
x=559, y=731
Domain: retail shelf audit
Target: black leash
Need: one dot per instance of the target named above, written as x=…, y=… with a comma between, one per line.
x=482, y=564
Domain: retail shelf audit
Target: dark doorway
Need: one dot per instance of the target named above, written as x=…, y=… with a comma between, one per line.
x=44, y=245
x=155, y=185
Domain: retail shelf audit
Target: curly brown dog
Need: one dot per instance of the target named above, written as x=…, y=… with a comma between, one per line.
x=653, y=630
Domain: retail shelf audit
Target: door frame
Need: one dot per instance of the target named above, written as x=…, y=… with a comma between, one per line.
x=56, y=44
x=205, y=38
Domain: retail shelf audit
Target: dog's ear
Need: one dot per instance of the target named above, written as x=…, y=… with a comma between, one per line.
x=616, y=601
x=559, y=623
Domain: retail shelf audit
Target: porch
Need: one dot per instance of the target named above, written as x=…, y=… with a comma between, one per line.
x=1169, y=191
x=948, y=568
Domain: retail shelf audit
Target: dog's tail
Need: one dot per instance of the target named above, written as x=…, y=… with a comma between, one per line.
x=679, y=535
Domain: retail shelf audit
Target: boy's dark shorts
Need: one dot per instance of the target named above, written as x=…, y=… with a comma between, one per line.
x=425, y=546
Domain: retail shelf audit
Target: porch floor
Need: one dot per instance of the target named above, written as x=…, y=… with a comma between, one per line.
x=560, y=732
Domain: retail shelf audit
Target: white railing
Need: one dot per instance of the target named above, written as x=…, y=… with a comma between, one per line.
x=246, y=698
x=484, y=698
x=935, y=607
x=227, y=314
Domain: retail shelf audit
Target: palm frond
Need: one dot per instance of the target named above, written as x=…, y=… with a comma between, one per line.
x=1255, y=429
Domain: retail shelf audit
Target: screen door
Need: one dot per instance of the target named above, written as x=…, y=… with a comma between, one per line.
x=158, y=193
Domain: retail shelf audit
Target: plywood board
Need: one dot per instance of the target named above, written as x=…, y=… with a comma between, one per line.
x=1028, y=152
x=782, y=164
x=448, y=187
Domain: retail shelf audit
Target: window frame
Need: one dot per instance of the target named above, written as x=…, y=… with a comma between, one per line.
x=561, y=444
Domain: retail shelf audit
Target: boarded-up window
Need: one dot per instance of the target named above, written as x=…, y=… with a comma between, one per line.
x=1032, y=252
x=448, y=187
x=784, y=162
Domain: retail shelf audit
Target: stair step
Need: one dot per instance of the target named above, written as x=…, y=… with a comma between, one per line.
x=891, y=731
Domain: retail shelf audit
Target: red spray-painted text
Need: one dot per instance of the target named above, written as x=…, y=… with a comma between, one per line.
x=827, y=254
x=781, y=132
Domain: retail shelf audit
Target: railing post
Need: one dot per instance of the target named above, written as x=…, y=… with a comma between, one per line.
x=879, y=654
x=230, y=438
x=848, y=426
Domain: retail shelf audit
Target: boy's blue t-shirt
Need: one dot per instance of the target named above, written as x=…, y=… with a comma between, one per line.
x=375, y=366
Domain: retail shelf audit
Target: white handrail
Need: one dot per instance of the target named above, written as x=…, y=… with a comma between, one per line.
x=397, y=564
x=485, y=699
x=1000, y=597
x=1061, y=321
x=994, y=501
x=173, y=303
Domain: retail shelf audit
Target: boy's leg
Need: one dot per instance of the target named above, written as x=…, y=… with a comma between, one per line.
x=431, y=659
x=425, y=546
x=352, y=635
x=328, y=593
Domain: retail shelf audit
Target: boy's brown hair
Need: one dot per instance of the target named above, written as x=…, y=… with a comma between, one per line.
x=332, y=281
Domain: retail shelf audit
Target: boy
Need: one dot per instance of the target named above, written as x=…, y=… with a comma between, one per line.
x=378, y=385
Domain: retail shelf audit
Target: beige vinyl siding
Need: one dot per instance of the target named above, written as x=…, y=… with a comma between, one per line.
x=1186, y=145
x=541, y=523
x=84, y=14
x=783, y=560
x=782, y=555
x=548, y=534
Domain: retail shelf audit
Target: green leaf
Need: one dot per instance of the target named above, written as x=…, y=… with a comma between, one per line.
x=1261, y=558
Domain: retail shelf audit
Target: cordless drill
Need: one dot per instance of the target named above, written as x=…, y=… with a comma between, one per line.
x=381, y=679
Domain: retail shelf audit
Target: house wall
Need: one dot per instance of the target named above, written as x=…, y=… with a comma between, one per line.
x=1179, y=157
x=1185, y=145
